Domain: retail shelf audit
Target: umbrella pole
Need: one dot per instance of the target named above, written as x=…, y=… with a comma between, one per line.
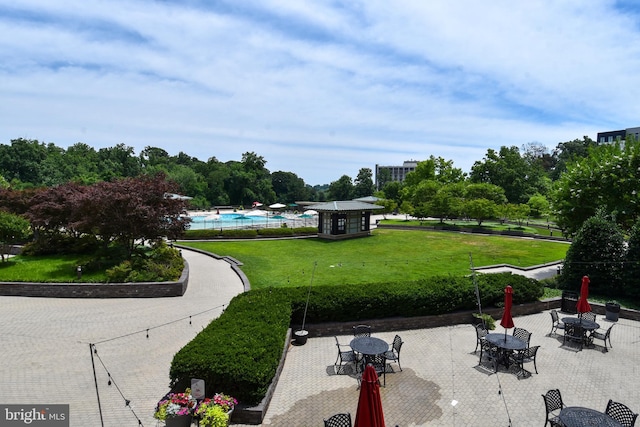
x=304, y=317
x=475, y=284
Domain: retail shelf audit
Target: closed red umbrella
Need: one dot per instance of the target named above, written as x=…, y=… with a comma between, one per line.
x=583, y=305
x=507, y=320
x=369, y=413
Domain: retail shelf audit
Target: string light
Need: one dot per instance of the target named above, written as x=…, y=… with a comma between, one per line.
x=111, y=380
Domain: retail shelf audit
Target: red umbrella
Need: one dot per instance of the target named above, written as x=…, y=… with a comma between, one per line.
x=369, y=413
x=507, y=320
x=583, y=305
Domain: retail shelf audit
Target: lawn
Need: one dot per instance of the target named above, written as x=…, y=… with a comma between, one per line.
x=386, y=256
x=49, y=268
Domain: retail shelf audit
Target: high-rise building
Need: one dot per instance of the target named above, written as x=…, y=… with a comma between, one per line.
x=613, y=135
x=397, y=173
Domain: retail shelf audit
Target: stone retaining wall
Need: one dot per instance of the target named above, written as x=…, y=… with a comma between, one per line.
x=98, y=290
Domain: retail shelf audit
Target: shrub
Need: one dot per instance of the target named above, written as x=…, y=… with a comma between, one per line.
x=160, y=264
x=597, y=251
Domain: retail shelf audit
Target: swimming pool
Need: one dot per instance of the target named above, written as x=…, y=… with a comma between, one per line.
x=237, y=220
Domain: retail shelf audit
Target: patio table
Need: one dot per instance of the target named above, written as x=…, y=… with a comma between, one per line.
x=587, y=326
x=506, y=345
x=576, y=416
x=369, y=345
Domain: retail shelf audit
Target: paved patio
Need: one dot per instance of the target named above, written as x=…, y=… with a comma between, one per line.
x=442, y=384
x=46, y=359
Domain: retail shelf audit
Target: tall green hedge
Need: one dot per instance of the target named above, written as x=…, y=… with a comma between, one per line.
x=239, y=352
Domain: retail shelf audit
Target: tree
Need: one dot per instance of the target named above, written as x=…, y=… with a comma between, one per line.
x=13, y=230
x=21, y=160
x=425, y=191
x=128, y=211
x=445, y=172
x=364, y=183
x=424, y=170
x=520, y=213
x=507, y=169
x=539, y=205
x=342, y=189
x=383, y=177
x=288, y=187
x=392, y=191
x=570, y=152
x=485, y=191
x=448, y=201
x=389, y=206
x=480, y=209
x=631, y=266
x=607, y=178
x=596, y=251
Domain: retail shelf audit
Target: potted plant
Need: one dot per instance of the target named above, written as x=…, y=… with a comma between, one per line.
x=485, y=319
x=216, y=411
x=175, y=409
x=612, y=310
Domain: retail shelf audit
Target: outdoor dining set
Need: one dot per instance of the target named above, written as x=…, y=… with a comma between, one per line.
x=368, y=358
x=616, y=414
x=364, y=350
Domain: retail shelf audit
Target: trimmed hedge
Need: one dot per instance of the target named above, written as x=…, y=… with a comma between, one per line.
x=249, y=233
x=239, y=352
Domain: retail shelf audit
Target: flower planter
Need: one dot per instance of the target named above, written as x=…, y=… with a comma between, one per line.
x=179, y=421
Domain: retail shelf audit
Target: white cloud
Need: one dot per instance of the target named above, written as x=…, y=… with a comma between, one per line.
x=316, y=88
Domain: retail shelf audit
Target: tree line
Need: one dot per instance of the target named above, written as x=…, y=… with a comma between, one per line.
x=567, y=184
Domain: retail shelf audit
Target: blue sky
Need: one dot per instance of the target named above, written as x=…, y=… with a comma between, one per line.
x=318, y=88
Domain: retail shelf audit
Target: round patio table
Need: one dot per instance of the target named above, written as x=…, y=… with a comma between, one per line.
x=588, y=325
x=369, y=345
x=507, y=342
x=506, y=345
x=576, y=416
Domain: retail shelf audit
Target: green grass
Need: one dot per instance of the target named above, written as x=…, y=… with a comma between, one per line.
x=532, y=228
x=50, y=268
x=386, y=256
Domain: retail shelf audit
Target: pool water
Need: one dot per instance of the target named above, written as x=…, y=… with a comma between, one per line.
x=235, y=220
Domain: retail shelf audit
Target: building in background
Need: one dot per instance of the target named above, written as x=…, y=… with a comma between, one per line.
x=396, y=173
x=613, y=135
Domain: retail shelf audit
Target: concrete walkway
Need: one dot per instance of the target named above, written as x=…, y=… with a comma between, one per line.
x=45, y=346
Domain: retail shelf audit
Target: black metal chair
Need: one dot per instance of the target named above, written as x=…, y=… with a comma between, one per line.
x=528, y=354
x=379, y=362
x=621, y=413
x=344, y=358
x=362, y=331
x=588, y=316
x=556, y=322
x=606, y=336
x=553, y=402
x=574, y=332
x=481, y=332
x=490, y=349
x=523, y=334
x=338, y=420
x=393, y=354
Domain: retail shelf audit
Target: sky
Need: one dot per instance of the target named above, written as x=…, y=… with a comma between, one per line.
x=319, y=88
